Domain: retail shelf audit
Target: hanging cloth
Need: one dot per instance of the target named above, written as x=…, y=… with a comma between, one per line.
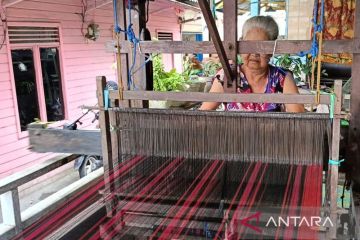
x=339, y=25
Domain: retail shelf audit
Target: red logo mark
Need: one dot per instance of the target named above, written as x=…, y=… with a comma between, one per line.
x=246, y=223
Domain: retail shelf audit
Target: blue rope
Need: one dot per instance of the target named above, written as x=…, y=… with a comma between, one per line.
x=314, y=51
x=129, y=31
x=135, y=41
x=332, y=105
x=336, y=163
x=106, y=99
x=143, y=65
x=214, y=9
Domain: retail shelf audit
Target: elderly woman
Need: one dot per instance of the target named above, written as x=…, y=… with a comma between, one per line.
x=256, y=75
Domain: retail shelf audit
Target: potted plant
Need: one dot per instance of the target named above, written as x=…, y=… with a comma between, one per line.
x=165, y=81
x=192, y=69
x=300, y=68
x=210, y=68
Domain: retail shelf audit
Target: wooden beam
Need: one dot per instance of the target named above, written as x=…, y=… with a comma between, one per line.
x=115, y=143
x=65, y=141
x=266, y=47
x=353, y=151
x=221, y=97
x=61, y=198
x=27, y=175
x=184, y=4
x=41, y=209
x=210, y=22
x=97, y=4
x=230, y=42
x=9, y=3
x=122, y=60
x=334, y=169
x=10, y=208
x=72, y=225
x=145, y=69
x=138, y=77
x=106, y=146
x=7, y=231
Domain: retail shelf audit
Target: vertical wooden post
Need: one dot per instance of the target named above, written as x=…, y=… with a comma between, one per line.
x=146, y=74
x=10, y=209
x=138, y=70
x=353, y=150
x=230, y=40
x=105, y=141
x=139, y=76
x=121, y=18
x=333, y=168
x=115, y=143
x=215, y=37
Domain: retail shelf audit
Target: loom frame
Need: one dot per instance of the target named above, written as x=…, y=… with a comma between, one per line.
x=111, y=138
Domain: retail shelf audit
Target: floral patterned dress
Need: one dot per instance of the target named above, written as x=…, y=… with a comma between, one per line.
x=275, y=84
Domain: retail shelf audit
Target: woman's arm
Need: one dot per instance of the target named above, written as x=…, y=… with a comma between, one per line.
x=215, y=88
x=291, y=88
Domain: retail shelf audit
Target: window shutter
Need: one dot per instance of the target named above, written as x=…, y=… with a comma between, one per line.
x=33, y=35
x=165, y=36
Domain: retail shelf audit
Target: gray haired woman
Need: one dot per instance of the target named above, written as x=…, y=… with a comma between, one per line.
x=256, y=74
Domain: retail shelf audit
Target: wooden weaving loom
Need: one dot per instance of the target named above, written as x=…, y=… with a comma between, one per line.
x=190, y=139
x=136, y=219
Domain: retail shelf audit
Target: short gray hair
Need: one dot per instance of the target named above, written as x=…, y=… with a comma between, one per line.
x=266, y=23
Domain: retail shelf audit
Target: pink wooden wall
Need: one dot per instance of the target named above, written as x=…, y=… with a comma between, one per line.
x=82, y=61
x=164, y=19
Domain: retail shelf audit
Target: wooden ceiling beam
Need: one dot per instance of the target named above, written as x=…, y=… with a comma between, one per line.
x=97, y=4
x=9, y=3
x=214, y=33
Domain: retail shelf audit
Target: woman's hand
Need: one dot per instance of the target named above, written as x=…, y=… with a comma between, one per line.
x=215, y=88
x=291, y=88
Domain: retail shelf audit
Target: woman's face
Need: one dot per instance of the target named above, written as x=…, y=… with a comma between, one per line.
x=256, y=61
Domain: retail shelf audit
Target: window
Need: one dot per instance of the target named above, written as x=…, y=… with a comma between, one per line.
x=164, y=36
x=36, y=67
x=168, y=59
x=25, y=82
x=52, y=83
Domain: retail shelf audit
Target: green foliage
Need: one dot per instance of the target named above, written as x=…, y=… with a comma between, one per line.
x=211, y=68
x=300, y=69
x=166, y=81
x=294, y=64
x=239, y=59
x=191, y=68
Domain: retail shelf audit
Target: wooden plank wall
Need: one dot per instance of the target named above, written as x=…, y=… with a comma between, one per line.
x=82, y=62
x=164, y=18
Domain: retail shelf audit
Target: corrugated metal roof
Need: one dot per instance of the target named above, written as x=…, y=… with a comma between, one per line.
x=189, y=2
x=243, y=5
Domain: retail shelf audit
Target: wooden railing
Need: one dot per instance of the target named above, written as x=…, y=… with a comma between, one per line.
x=14, y=221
